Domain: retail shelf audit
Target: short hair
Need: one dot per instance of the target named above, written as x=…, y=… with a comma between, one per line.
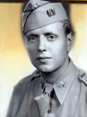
x=68, y=27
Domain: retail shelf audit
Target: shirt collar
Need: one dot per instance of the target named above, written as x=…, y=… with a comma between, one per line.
x=62, y=85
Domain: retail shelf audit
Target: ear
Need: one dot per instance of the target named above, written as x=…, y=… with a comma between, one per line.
x=69, y=41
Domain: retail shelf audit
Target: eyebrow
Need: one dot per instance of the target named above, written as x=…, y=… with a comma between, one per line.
x=32, y=35
x=45, y=33
x=50, y=33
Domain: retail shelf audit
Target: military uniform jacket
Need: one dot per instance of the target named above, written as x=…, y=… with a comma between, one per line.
x=70, y=91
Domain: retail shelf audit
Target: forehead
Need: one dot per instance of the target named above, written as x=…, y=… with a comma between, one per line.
x=55, y=28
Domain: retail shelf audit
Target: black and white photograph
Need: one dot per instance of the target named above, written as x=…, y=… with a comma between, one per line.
x=43, y=58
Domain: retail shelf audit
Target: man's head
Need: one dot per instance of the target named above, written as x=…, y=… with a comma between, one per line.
x=47, y=34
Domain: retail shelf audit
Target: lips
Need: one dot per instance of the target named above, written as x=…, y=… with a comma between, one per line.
x=43, y=58
x=38, y=58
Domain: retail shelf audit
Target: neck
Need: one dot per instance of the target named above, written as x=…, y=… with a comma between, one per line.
x=53, y=76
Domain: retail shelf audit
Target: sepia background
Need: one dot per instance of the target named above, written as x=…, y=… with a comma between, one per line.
x=14, y=61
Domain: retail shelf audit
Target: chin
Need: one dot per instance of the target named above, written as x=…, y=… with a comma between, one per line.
x=45, y=69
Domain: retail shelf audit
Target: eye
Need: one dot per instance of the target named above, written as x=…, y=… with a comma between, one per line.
x=32, y=39
x=51, y=37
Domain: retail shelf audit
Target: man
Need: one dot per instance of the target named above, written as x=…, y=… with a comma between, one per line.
x=57, y=88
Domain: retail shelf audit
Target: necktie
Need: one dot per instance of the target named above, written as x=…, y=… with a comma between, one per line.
x=44, y=102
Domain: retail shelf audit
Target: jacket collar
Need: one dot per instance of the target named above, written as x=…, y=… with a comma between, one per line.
x=62, y=85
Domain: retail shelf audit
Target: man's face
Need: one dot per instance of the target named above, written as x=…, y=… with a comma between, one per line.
x=47, y=47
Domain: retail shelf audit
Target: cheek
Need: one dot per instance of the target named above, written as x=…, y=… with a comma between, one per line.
x=31, y=48
x=59, y=48
x=31, y=52
x=60, y=53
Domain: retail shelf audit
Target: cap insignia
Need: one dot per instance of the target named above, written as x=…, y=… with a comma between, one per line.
x=51, y=12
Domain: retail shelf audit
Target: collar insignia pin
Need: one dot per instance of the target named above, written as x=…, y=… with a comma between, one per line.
x=62, y=84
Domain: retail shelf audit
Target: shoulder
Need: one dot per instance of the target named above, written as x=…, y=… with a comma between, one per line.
x=28, y=79
x=83, y=79
x=82, y=76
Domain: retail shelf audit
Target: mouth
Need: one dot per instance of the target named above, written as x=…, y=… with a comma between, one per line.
x=43, y=59
x=38, y=58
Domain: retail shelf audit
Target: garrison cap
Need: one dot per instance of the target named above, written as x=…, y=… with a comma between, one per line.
x=39, y=13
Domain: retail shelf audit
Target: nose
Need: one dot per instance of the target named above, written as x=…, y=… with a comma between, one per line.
x=42, y=44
